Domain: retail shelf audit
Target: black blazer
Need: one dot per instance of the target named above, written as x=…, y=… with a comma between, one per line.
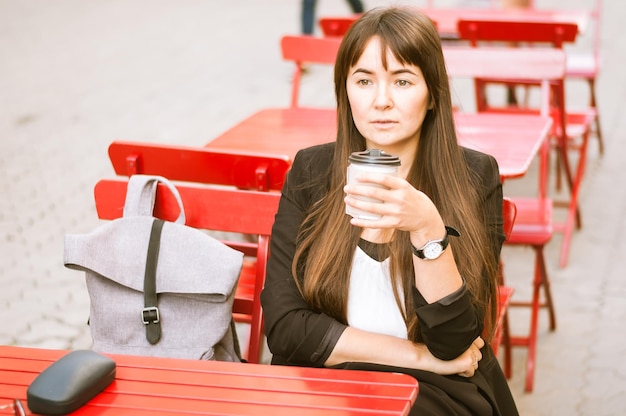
x=297, y=335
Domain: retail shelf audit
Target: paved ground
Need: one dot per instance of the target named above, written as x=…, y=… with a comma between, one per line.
x=75, y=75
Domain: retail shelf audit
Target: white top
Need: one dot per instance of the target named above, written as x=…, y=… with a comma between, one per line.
x=371, y=303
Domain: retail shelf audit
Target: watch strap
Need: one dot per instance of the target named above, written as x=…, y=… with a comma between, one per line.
x=450, y=231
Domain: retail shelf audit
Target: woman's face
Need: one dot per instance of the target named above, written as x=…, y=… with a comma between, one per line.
x=388, y=105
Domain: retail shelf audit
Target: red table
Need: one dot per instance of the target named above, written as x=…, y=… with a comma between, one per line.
x=160, y=386
x=513, y=140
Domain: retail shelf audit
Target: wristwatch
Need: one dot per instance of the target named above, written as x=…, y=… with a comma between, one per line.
x=434, y=248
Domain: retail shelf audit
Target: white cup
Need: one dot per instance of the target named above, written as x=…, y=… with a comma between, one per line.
x=375, y=161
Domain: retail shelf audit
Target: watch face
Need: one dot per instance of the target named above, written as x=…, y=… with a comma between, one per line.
x=432, y=250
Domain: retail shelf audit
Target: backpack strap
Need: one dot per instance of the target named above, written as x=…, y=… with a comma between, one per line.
x=150, y=312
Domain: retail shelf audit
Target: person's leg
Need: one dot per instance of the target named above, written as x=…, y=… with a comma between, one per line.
x=524, y=4
x=308, y=16
x=356, y=6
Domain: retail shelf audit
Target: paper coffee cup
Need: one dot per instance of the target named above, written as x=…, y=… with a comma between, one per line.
x=375, y=161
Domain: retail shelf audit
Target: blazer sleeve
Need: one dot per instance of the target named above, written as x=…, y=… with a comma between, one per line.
x=448, y=327
x=296, y=334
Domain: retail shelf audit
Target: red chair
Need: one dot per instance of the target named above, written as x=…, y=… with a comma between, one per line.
x=200, y=164
x=305, y=49
x=533, y=227
x=570, y=130
x=246, y=171
x=217, y=209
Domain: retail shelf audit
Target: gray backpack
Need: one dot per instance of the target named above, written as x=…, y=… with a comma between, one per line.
x=157, y=288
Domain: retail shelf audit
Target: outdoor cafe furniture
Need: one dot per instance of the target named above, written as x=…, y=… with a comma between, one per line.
x=446, y=18
x=571, y=128
x=164, y=386
x=240, y=169
x=513, y=140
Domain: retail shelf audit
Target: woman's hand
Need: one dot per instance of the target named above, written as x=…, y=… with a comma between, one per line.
x=471, y=357
x=466, y=364
x=400, y=204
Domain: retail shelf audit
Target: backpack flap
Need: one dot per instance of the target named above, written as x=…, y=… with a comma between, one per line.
x=190, y=261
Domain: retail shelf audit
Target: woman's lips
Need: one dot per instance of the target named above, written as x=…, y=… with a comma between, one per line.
x=384, y=124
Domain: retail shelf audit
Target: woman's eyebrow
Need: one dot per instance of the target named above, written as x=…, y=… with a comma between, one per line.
x=394, y=72
x=362, y=70
x=403, y=71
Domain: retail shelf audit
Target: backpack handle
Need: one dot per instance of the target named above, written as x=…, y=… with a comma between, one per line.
x=141, y=195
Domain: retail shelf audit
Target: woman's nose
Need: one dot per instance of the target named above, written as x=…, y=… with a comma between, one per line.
x=383, y=98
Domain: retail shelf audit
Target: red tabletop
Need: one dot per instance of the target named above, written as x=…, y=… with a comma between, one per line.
x=513, y=139
x=160, y=386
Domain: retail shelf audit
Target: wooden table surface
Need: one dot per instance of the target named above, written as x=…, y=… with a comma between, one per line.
x=162, y=386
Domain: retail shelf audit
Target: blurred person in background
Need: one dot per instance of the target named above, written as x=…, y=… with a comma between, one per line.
x=308, y=13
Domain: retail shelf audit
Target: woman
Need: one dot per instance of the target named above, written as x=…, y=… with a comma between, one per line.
x=320, y=303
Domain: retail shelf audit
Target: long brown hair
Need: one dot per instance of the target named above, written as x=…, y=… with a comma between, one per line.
x=327, y=241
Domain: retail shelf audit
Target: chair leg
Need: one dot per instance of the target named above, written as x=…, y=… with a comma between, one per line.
x=532, y=336
x=573, y=213
x=558, y=169
x=545, y=283
x=505, y=335
x=511, y=96
x=480, y=94
x=506, y=347
x=534, y=324
x=592, y=103
x=540, y=280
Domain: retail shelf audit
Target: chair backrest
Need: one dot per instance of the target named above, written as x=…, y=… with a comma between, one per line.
x=336, y=25
x=217, y=209
x=540, y=65
x=199, y=164
x=509, y=212
x=305, y=49
x=512, y=30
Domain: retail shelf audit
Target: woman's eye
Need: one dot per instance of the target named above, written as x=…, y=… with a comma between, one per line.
x=363, y=82
x=403, y=83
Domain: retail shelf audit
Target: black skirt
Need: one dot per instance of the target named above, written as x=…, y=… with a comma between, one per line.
x=486, y=393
